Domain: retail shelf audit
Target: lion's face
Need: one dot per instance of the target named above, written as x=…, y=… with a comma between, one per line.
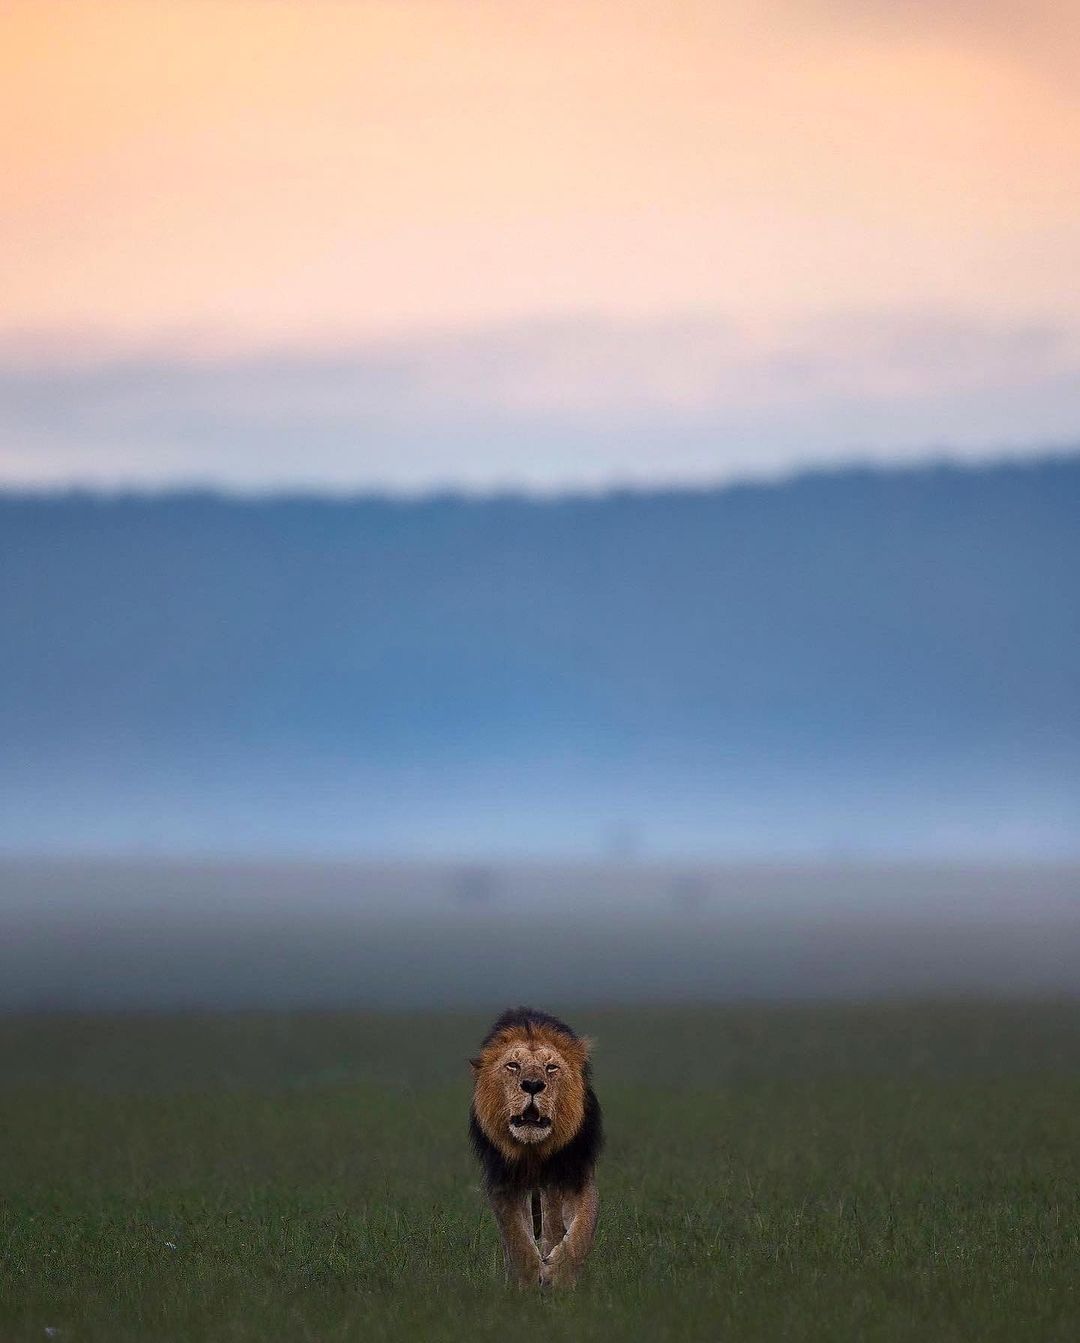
x=530, y=1090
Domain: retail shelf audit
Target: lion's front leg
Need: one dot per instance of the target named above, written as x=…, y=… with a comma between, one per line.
x=564, y=1262
x=513, y=1213
x=551, y=1221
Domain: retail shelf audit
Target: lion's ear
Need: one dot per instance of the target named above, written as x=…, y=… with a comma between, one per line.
x=474, y=1064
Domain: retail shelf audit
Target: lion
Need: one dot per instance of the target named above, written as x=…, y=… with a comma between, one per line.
x=536, y=1129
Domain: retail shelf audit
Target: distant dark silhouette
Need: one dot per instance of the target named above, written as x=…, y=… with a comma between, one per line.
x=474, y=886
x=689, y=893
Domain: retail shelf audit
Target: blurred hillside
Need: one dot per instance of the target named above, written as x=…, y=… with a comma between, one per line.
x=882, y=662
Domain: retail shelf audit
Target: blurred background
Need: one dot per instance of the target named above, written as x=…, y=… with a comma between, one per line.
x=565, y=502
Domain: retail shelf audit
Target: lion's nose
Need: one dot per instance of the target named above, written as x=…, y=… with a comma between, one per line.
x=532, y=1087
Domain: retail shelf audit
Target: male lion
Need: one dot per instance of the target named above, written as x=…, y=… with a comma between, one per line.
x=536, y=1129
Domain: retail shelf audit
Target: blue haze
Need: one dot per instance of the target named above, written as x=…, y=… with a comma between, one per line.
x=858, y=662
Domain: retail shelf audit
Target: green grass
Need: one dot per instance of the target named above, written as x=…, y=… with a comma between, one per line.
x=795, y=1173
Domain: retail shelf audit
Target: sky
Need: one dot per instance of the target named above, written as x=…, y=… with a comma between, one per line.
x=488, y=244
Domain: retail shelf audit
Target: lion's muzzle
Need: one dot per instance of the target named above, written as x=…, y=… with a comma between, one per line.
x=530, y=1125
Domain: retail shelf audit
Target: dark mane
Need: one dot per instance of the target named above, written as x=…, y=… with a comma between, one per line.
x=524, y=1018
x=569, y=1168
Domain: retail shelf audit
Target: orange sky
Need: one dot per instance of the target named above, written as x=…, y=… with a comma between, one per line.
x=238, y=171
x=414, y=243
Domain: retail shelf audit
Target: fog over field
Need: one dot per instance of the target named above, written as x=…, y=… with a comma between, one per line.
x=125, y=934
x=816, y=739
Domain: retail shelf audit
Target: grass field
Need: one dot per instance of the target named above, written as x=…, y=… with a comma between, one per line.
x=804, y=1173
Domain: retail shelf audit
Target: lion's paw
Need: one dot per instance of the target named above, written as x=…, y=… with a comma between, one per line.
x=556, y=1270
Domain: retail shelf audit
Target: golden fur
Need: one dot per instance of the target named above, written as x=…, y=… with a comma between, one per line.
x=516, y=1055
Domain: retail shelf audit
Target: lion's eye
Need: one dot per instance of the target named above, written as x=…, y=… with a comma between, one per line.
x=551, y=1069
x=514, y=1067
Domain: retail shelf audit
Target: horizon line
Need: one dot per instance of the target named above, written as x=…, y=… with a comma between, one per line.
x=942, y=461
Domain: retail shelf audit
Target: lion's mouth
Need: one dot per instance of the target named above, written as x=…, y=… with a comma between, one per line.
x=530, y=1117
